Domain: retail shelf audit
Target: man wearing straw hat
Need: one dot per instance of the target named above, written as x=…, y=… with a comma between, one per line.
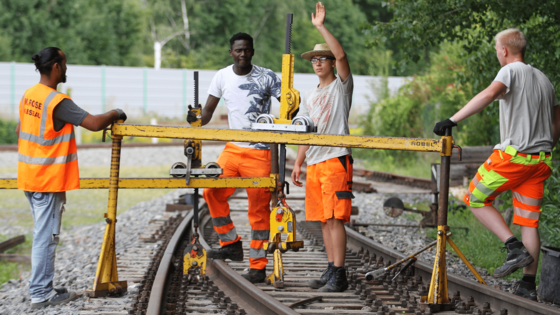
x=329, y=171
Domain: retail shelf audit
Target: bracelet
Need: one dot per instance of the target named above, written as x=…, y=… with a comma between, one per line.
x=452, y=120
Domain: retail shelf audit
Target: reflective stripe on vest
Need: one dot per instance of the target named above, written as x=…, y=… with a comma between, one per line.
x=46, y=142
x=48, y=161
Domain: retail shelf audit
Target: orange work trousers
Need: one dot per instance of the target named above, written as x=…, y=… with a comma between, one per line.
x=242, y=162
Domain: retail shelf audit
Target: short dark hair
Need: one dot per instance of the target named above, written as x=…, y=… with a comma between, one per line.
x=240, y=36
x=45, y=59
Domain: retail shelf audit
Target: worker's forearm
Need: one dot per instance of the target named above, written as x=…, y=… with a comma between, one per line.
x=478, y=103
x=302, y=149
x=332, y=42
x=206, y=116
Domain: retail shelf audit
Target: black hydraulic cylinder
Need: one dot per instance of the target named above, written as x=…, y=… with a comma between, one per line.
x=289, y=20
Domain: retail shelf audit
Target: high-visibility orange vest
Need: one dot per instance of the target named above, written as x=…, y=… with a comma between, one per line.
x=48, y=159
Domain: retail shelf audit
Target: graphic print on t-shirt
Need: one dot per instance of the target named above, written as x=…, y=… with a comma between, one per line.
x=246, y=97
x=263, y=84
x=320, y=110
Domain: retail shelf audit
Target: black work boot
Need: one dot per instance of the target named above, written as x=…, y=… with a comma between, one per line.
x=56, y=300
x=318, y=283
x=527, y=290
x=61, y=290
x=255, y=275
x=233, y=252
x=517, y=257
x=337, y=282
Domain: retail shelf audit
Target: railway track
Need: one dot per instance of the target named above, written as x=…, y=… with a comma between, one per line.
x=224, y=291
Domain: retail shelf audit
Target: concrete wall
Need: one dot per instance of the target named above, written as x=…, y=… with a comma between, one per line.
x=166, y=92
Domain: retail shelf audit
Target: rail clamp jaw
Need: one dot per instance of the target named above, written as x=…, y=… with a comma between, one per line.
x=194, y=259
x=282, y=221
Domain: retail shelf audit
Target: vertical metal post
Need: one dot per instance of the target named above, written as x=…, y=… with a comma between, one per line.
x=106, y=278
x=274, y=171
x=185, y=92
x=12, y=88
x=103, y=98
x=438, y=296
x=145, y=90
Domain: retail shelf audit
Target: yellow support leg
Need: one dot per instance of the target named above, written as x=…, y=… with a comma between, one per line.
x=277, y=277
x=106, y=278
x=438, y=294
x=464, y=259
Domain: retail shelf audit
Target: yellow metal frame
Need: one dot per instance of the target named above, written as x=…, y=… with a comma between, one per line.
x=106, y=280
x=364, y=142
x=106, y=277
x=166, y=183
x=289, y=101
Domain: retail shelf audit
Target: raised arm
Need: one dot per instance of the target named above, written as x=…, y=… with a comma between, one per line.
x=318, y=20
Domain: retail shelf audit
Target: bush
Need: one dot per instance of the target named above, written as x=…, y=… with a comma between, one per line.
x=8, y=132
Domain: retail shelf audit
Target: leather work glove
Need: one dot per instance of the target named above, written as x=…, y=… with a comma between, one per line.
x=439, y=128
x=122, y=115
x=191, y=115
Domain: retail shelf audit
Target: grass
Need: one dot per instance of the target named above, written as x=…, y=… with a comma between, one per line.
x=82, y=207
x=9, y=270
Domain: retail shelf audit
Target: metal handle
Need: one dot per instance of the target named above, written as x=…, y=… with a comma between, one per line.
x=196, y=89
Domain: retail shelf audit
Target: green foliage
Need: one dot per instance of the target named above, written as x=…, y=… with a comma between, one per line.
x=549, y=222
x=89, y=33
x=8, y=132
x=422, y=24
x=425, y=99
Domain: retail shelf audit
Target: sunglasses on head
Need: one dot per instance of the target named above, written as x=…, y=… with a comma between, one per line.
x=322, y=59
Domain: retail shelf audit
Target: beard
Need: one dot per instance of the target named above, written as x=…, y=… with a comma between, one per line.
x=63, y=78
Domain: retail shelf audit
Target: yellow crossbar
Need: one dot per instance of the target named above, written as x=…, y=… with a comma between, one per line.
x=366, y=142
x=161, y=183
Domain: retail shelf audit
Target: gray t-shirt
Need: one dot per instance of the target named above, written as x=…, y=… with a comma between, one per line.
x=329, y=107
x=67, y=112
x=526, y=109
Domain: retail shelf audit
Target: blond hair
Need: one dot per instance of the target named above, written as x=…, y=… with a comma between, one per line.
x=513, y=39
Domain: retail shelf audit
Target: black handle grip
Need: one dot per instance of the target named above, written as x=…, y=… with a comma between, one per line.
x=196, y=104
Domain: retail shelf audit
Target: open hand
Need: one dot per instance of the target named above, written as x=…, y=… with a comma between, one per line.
x=295, y=176
x=318, y=18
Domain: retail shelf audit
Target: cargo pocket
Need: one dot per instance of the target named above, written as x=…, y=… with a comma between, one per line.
x=344, y=195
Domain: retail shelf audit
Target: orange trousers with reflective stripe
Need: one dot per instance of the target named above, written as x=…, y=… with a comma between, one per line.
x=523, y=175
x=243, y=162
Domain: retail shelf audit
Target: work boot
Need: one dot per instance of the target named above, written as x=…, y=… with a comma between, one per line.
x=527, y=290
x=517, y=257
x=61, y=290
x=56, y=300
x=319, y=283
x=233, y=252
x=255, y=275
x=337, y=282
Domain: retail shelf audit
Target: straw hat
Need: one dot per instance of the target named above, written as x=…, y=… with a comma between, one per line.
x=318, y=50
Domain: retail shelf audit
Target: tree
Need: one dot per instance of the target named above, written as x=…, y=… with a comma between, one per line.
x=89, y=33
x=423, y=24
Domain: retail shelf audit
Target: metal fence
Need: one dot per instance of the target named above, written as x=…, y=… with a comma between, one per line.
x=141, y=91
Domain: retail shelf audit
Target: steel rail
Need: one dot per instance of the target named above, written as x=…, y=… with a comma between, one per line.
x=252, y=299
x=498, y=299
x=248, y=296
x=158, y=287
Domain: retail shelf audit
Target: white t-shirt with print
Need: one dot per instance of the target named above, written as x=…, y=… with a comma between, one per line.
x=329, y=107
x=246, y=97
